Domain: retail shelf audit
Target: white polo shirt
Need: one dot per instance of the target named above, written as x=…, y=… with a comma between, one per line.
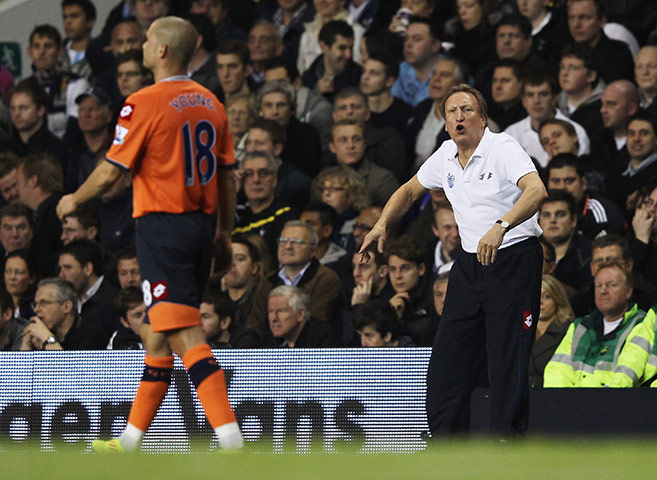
x=485, y=189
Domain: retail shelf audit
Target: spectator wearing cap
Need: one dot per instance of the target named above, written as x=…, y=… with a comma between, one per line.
x=94, y=136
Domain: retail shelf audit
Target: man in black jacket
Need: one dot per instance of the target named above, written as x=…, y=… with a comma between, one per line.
x=81, y=263
x=334, y=69
x=56, y=324
x=586, y=19
x=291, y=324
x=30, y=132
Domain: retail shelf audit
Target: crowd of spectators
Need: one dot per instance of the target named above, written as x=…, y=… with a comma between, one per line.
x=332, y=104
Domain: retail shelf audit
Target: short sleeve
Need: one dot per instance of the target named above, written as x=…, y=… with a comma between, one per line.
x=131, y=133
x=430, y=174
x=516, y=162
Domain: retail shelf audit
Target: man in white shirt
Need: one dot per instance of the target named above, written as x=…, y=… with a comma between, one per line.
x=495, y=284
x=539, y=97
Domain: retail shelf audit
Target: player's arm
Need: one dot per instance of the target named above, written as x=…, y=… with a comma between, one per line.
x=227, y=197
x=394, y=210
x=100, y=180
x=533, y=194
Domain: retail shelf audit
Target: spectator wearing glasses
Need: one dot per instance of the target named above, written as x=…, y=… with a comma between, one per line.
x=292, y=185
x=131, y=75
x=263, y=215
x=299, y=268
x=343, y=189
x=56, y=324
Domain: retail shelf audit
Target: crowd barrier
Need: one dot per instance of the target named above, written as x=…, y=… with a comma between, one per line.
x=366, y=400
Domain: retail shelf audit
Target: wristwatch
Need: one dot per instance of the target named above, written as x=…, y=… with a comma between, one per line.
x=49, y=341
x=504, y=223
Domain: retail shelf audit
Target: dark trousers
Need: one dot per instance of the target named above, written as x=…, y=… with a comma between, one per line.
x=486, y=315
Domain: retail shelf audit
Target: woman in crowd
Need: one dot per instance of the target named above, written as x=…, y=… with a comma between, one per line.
x=20, y=280
x=343, y=189
x=556, y=314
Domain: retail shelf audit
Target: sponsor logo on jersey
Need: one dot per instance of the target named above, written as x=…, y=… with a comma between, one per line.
x=126, y=111
x=119, y=134
x=527, y=320
x=160, y=291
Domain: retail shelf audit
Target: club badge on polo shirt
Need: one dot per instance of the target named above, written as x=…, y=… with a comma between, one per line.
x=450, y=180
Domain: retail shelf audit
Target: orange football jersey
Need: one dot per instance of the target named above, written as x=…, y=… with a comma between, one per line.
x=174, y=137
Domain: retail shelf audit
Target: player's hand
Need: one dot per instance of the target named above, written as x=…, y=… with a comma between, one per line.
x=399, y=301
x=362, y=292
x=66, y=206
x=642, y=224
x=376, y=238
x=489, y=243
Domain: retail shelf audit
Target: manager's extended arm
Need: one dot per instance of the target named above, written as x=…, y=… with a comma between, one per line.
x=394, y=210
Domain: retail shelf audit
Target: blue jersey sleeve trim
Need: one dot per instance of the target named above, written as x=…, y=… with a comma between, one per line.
x=232, y=166
x=118, y=164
